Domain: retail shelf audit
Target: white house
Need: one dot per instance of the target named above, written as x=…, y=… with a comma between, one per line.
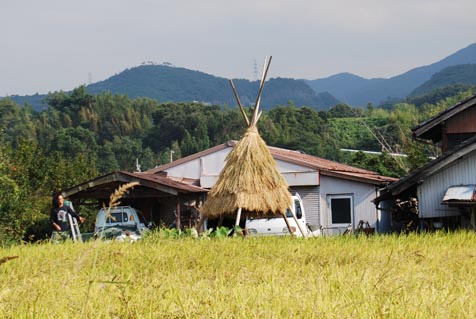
x=334, y=195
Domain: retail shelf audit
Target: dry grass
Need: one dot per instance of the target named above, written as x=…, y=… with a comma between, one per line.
x=250, y=180
x=114, y=199
x=428, y=276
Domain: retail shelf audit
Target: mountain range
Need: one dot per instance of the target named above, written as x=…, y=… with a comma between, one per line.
x=358, y=91
x=167, y=83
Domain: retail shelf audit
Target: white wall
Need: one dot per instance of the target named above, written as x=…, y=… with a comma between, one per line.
x=208, y=167
x=362, y=195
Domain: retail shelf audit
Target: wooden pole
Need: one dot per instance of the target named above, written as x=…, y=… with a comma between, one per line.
x=238, y=217
x=239, y=103
x=287, y=224
x=297, y=223
x=201, y=220
x=258, y=99
x=220, y=221
x=178, y=215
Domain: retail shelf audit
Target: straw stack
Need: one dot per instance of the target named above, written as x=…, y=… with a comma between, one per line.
x=250, y=180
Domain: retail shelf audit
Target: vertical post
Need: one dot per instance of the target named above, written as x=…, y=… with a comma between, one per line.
x=473, y=219
x=297, y=223
x=238, y=217
x=178, y=215
x=201, y=220
x=287, y=224
x=171, y=156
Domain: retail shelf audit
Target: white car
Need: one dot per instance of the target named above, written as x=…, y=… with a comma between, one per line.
x=277, y=225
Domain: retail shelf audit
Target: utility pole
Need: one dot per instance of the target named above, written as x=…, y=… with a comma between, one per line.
x=171, y=156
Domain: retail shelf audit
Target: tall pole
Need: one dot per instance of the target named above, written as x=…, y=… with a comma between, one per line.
x=238, y=217
x=171, y=156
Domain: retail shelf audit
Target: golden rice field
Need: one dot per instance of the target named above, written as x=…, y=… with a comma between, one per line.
x=415, y=276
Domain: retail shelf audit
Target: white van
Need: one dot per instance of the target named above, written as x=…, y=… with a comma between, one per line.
x=276, y=225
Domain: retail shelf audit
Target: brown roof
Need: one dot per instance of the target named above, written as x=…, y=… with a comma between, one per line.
x=326, y=167
x=182, y=185
x=154, y=181
x=191, y=157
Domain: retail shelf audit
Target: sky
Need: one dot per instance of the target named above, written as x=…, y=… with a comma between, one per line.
x=53, y=45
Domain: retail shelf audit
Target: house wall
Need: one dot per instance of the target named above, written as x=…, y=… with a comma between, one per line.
x=212, y=164
x=464, y=122
x=310, y=201
x=459, y=127
x=362, y=196
x=433, y=188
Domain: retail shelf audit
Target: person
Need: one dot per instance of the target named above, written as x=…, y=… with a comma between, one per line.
x=59, y=218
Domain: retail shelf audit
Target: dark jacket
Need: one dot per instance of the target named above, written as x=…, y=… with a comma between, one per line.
x=59, y=216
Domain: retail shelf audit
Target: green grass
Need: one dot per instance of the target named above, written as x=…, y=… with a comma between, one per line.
x=425, y=276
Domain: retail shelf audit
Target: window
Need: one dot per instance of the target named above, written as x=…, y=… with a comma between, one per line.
x=117, y=218
x=341, y=209
x=297, y=210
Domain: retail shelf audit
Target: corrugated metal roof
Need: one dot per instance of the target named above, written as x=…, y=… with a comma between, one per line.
x=428, y=169
x=155, y=181
x=166, y=181
x=324, y=166
x=461, y=193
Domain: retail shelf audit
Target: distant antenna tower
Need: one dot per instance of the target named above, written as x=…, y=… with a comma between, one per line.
x=255, y=69
x=90, y=78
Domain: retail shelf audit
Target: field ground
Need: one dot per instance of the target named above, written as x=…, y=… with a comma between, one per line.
x=415, y=276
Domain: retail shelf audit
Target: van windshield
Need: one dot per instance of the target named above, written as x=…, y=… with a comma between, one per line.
x=297, y=209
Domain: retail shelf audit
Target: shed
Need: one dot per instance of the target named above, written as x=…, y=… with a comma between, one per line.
x=160, y=198
x=435, y=180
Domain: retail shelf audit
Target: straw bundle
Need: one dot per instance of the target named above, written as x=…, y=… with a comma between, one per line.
x=250, y=180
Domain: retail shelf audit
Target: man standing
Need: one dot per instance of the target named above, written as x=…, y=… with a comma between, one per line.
x=59, y=218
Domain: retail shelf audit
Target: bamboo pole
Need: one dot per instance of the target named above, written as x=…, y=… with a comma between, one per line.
x=297, y=223
x=239, y=103
x=238, y=217
x=258, y=99
x=287, y=224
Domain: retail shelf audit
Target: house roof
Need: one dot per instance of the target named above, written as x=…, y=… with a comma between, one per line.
x=428, y=169
x=461, y=194
x=324, y=166
x=155, y=182
x=431, y=129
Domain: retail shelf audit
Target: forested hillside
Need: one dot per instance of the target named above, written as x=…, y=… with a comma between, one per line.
x=81, y=136
x=464, y=74
x=166, y=83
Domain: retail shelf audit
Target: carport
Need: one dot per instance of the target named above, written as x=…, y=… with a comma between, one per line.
x=162, y=200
